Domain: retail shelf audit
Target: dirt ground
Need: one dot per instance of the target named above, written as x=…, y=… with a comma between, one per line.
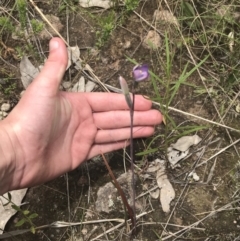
x=203, y=210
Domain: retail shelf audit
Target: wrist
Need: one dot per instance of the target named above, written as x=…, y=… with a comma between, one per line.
x=7, y=158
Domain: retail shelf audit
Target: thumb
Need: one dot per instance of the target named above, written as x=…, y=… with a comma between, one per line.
x=51, y=74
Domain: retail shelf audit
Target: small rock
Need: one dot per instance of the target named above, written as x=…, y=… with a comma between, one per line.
x=127, y=45
x=66, y=85
x=105, y=60
x=5, y=107
x=3, y=114
x=49, y=31
x=194, y=175
x=84, y=231
x=104, y=198
x=152, y=40
x=165, y=16
x=107, y=195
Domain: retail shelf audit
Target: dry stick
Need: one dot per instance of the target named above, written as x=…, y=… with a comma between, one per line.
x=121, y=193
x=216, y=154
x=198, y=117
x=60, y=224
x=86, y=67
x=170, y=224
x=117, y=90
x=119, y=225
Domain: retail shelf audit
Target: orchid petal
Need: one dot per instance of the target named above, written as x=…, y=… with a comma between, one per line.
x=140, y=72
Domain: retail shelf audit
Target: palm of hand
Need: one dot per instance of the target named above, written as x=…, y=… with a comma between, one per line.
x=60, y=129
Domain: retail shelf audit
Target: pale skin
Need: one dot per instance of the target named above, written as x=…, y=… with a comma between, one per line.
x=51, y=132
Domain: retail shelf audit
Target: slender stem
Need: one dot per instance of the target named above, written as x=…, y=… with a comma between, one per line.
x=121, y=193
x=132, y=159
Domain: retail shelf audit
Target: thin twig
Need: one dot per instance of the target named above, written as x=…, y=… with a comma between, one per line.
x=119, y=225
x=216, y=154
x=117, y=90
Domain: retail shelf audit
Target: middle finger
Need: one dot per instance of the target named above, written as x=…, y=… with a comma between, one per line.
x=120, y=119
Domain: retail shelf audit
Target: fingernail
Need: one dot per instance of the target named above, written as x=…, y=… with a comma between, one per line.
x=146, y=97
x=53, y=44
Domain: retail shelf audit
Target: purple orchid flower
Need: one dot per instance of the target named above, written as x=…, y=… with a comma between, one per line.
x=140, y=72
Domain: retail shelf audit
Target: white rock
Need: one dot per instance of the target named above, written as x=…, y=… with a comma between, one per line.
x=152, y=40
x=194, y=175
x=107, y=195
x=166, y=16
x=103, y=194
x=5, y=107
x=185, y=142
x=49, y=31
x=84, y=231
x=127, y=45
x=66, y=85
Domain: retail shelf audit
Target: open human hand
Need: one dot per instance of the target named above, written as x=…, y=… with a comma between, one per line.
x=51, y=132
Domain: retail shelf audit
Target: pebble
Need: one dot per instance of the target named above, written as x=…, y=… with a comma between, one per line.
x=66, y=85
x=152, y=40
x=3, y=114
x=5, y=107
